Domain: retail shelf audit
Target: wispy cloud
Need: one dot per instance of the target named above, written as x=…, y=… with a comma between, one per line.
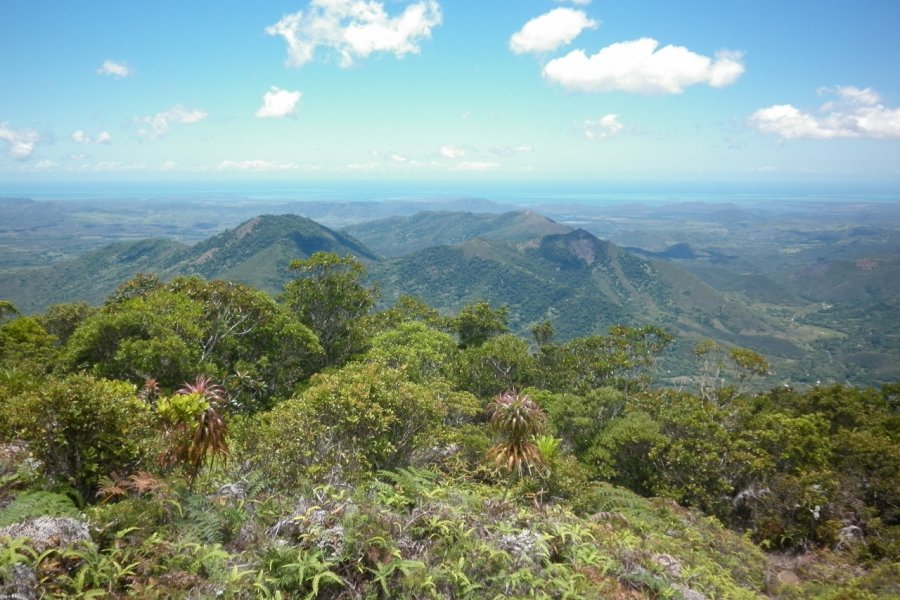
x=82, y=137
x=20, y=143
x=642, y=67
x=263, y=166
x=366, y=166
x=42, y=166
x=511, y=150
x=476, y=166
x=355, y=29
x=115, y=69
x=452, y=151
x=160, y=123
x=111, y=166
x=855, y=113
x=278, y=103
x=602, y=128
x=550, y=31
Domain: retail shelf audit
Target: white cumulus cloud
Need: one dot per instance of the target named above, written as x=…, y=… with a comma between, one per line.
x=602, y=128
x=476, y=166
x=161, y=122
x=19, y=143
x=103, y=137
x=355, y=29
x=550, y=31
x=115, y=69
x=451, y=151
x=642, y=67
x=855, y=113
x=279, y=103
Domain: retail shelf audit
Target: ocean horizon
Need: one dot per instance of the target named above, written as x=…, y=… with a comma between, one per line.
x=513, y=193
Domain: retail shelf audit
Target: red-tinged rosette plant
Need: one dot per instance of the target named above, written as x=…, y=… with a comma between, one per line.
x=195, y=426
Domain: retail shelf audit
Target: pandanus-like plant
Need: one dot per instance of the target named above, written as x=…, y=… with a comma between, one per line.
x=199, y=429
x=517, y=420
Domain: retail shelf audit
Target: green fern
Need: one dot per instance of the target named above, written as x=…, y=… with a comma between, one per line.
x=611, y=499
x=410, y=483
x=37, y=504
x=214, y=523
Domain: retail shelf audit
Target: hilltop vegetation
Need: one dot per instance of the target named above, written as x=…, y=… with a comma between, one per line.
x=197, y=438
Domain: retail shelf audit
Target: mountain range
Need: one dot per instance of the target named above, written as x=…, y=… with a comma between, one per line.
x=539, y=268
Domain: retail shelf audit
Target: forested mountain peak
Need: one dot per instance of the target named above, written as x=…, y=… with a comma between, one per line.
x=579, y=245
x=259, y=251
x=401, y=235
x=304, y=234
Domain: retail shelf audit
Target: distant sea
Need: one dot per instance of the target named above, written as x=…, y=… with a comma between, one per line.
x=517, y=193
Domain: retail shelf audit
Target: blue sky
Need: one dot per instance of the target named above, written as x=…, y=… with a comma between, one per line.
x=430, y=90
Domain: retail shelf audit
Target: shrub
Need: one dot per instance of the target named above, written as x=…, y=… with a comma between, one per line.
x=349, y=423
x=82, y=428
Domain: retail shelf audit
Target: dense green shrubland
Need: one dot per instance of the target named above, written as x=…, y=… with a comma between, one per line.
x=324, y=450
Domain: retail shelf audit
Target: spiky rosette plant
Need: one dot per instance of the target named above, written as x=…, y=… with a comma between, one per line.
x=517, y=420
x=198, y=429
x=149, y=392
x=203, y=385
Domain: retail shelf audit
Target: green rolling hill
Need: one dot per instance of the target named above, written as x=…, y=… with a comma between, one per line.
x=398, y=236
x=582, y=284
x=89, y=277
x=257, y=253
x=834, y=320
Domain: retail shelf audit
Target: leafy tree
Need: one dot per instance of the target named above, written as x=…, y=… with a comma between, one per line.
x=27, y=353
x=478, y=321
x=140, y=285
x=578, y=420
x=619, y=359
x=174, y=332
x=350, y=423
x=543, y=333
x=623, y=453
x=724, y=374
x=409, y=308
x=24, y=340
x=150, y=335
x=61, y=320
x=257, y=344
x=82, y=428
x=7, y=310
x=423, y=353
x=500, y=363
x=330, y=298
